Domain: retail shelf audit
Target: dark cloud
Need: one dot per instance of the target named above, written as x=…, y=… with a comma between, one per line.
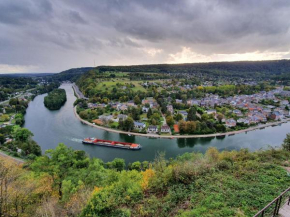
x=75, y=17
x=55, y=35
x=23, y=11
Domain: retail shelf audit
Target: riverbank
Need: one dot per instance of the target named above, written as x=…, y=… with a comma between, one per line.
x=181, y=136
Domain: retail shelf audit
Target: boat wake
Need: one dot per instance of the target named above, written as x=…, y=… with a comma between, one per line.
x=76, y=140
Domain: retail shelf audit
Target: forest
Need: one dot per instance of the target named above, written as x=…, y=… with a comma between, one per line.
x=10, y=85
x=67, y=75
x=55, y=99
x=273, y=69
x=66, y=182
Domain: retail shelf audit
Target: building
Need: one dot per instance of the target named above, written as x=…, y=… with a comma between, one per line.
x=238, y=112
x=284, y=103
x=277, y=116
x=165, y=129
x=231, y=123
x=145, y=109
x=211, y=111
x=170, y=109
x=184, y=114
x=139, y=125
x=105, y=118
x=122, y=117
x=152, y=129
x=243, y=121
x=122, y=107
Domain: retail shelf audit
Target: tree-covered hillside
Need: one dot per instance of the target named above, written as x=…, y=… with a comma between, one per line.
x=68, y=75
x=65, y=182
x=11, y=85
x=278, y=69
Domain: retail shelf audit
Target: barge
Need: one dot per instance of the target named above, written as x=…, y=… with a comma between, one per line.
x=113, y=144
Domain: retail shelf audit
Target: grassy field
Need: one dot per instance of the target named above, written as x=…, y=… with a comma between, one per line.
x=123, y=82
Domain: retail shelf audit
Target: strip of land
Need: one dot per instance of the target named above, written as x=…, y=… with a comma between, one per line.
x=182, y=136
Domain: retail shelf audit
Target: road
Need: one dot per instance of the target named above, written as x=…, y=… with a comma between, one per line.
x=78, y=92
x=19, y=95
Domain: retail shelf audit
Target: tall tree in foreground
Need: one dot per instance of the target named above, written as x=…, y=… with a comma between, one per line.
x=286, y=143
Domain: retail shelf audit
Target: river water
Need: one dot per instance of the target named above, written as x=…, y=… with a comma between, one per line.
x=53, y=127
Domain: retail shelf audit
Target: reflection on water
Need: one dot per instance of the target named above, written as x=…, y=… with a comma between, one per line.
x=220, y=137
x=53, y=127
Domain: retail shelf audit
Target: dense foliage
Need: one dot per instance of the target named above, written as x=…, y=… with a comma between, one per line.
x=46, y=88
x=67, y=75
x=10, y=85
x=55, y=99
x=65, y=182
x=277, y=69
x=22, y=144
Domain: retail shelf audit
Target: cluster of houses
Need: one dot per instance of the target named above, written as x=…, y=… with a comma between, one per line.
x=250, y=103
x=151, y=129
x=247, y=109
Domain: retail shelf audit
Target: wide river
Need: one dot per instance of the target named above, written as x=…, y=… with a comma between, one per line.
x=53, y=127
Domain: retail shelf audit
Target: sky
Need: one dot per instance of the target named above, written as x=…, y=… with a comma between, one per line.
x=53, y=35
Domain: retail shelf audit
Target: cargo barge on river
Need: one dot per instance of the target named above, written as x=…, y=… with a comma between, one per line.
x=113, y=144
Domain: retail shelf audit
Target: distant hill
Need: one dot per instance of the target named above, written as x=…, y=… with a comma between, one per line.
x=70, y=74
x=25, y=74
x=275, y=68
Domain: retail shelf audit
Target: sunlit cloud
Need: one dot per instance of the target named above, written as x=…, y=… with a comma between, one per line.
x=16, y=68
x=186, y=55
x=152, y=51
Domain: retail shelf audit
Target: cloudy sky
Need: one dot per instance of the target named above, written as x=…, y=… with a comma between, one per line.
x=53, y=35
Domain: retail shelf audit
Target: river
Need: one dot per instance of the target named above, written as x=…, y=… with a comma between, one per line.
x=53, y=127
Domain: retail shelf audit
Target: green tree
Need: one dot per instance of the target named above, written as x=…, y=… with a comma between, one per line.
x=190, y=127
x=2, y=138
x=182, y=127
x=169, y=120
x=191, y=114
x=128, y=124
x=136, y=166
x=30, y=147
x=137, y=100
x=60, y=163
x=22, y=134
x=204, y=117
x=13, y=101
x=19, y=119
x=286, y=142
x=220, y=117
x=149, y=113
x=118, y=164
x=145, y=165
x=4, y=118
x=84, y=114
x=178, y=117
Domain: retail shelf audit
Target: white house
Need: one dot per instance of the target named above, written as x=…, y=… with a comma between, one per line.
x=145, y=109
x=165, y=129
x=152, y=129
x=139, y=125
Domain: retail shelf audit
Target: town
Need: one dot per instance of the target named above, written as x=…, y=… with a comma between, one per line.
x=181, y=107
